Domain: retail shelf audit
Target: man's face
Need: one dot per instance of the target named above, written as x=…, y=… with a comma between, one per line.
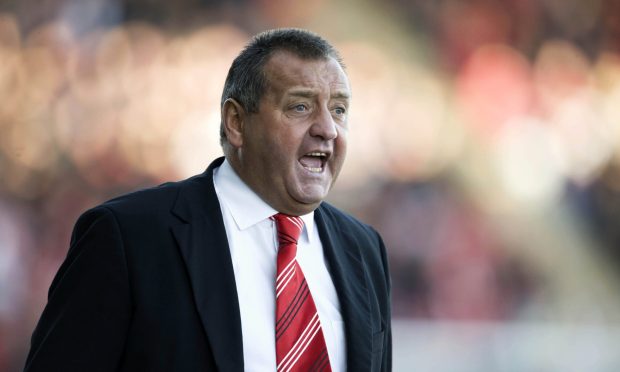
x=294, y=147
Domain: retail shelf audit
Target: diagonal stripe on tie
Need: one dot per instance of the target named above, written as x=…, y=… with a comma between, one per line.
x=300, y=344
x=291, y=312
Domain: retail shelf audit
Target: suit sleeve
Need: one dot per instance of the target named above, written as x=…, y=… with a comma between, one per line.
x=85, y=321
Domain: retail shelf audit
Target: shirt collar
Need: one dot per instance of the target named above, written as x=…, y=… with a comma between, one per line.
x=245, y=206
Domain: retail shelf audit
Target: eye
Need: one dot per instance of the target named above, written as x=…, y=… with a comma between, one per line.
x=339, y=111
x=300, y=108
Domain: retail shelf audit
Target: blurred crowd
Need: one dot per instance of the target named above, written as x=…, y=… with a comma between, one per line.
x=484, y=139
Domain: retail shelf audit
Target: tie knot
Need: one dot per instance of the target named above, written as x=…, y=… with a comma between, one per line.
x=289, y=228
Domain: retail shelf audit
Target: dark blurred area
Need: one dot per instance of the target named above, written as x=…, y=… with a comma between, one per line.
x=484, y=146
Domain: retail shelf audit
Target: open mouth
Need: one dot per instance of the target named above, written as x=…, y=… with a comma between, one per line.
x=314, y=161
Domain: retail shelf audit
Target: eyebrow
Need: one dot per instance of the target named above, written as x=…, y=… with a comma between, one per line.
x=341, y=95
x=308, y=93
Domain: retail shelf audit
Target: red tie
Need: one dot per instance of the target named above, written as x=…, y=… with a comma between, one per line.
x=300, y=345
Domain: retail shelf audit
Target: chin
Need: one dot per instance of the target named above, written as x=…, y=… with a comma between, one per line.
x=311, y=197
x=307, y=203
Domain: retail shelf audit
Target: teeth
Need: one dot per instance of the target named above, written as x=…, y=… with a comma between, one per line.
x=314, y=170
x=318, y=154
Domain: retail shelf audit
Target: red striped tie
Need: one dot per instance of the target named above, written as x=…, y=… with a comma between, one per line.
x=300, y=345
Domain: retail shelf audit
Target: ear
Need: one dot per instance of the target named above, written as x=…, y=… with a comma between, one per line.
x=233, y=118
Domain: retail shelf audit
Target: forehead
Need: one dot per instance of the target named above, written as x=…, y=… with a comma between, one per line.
x=284, y=71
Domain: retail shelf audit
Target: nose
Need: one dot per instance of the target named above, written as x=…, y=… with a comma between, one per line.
x=324, y=126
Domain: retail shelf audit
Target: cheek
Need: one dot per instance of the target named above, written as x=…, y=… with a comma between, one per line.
x=341, y=143
x=290, y=140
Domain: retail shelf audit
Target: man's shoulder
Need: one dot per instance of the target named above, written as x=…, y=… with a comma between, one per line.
x=153, y=200
x=359, y=238
x=344, y=220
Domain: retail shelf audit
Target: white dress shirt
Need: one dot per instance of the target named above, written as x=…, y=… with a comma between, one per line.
x=254, y=247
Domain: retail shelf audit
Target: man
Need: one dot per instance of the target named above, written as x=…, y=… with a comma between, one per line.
x=218, y=272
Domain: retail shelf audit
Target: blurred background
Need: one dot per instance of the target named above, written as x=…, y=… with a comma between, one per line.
x=484, y=146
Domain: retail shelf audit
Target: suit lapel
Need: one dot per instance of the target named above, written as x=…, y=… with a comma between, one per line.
x=204, y=247
x=347, y=270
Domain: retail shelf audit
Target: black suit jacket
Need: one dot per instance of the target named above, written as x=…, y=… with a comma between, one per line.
x=148, y=285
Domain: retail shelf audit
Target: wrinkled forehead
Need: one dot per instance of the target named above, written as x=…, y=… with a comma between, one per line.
x=285, y=71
